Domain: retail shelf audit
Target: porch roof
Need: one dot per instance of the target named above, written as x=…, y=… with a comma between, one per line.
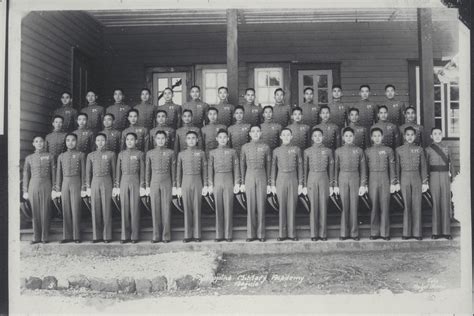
x=130, y=18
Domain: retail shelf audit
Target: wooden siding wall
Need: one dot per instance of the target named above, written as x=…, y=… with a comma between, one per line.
x=47, y=39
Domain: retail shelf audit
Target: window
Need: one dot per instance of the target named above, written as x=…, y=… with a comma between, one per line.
x=446, y=103
x=321, y=83
x=266, y=81
x=176, y=81
x=212, y=79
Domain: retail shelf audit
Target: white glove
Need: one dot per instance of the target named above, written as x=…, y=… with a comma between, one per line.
x=173, y=191
x=331, y=191
x=361, y=191
x=142, y=192
x=205, y=190
x=179, y=192
x=88, y=192
x=392, y=188
x=25, y=196
x=397, y=187
x=269, y=189
x=83, y=194
x=336, y=190
x=242, y=188
x=424, y=188
x=115, y=192
x=274, y=190
x=147, y=191
x=236, y=189
x=300, y=189
x=210, y=189
x=53, y=195
x=305, y=191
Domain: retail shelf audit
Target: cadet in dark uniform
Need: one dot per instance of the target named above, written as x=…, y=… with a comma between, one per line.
x=441, y=168
x=38, y=180
x=141, y=132
x=331, y=132
x=395, y=107
x=224, y=182
x=67, y=112
x=119, y=110
x=85, y=136
x=361, y=134
x=160, y=179
x=337, y=108
x=226, y=110
x=173, y=110
x=54, y=141
x=367, y=108
x=192, y=183
x=161, y=125
x=287, y=183
x=300, y=131
x=198, y=107
x=239, y=132
x=318, y=171
x=181, y=142
x=391, y=135
x=270, y=129
x=100, y=178
x=252, y=112
x=146, y=110
x=113, y=136
x=310, y=110
x=71, y=185
x=410, y=120
x=413, y=175
x=281, y=111
x=209, y=132
x=95, y=112
x=130, y=185
x=382, y=181
x=351, y=182
x=255, y=166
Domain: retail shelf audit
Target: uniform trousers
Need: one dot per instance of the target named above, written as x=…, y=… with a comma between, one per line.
x=410, y=186
x=440, y=187
x=72, y=207
x=39, y=194
x=318, y=193
x=192, y=201
x=287, y=193
x=256, y=192
x=379, y=193
x=160, y=198
x=224, y=197
x=101, y=205
x=349, y=190
x=130, y=205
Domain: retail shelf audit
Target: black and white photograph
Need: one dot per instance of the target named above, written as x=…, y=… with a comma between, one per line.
x=238, y=157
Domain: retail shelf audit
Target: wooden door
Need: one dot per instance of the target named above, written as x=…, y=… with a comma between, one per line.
x=321, y=82
x=174, y=80
x=81, y=75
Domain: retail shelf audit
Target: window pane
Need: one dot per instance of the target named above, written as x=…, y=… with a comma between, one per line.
x=262, y=79
x=210, y=80
x=210, y=96
x=322, y=81
x=454, y=123
x=274, y=79
x=454, y=93
x=178, y=83
x=437, y=109
x=262, y=95
x=435, y=78
x=178, y=98
x=308, y=80
x=322, y=96
x=221, y=79
x=454, y=106
x=438, y=123
x=162, y=84
x=437, y=93
x=162, y=101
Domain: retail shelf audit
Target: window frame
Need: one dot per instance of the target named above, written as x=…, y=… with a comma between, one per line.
x=199, y=70
x=286, y=79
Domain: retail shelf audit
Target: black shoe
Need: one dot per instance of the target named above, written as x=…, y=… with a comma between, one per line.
x=185, y=240
x=405, y=237
x=294, y=238
x=45, y=242
x=197, y=239
x=434, y=236
x=386, y=238
x=124, y=241
x=323, y=238
x=77, y=241
x=36, y=242
x=65, y=241
x=106, y=241
x=343, y=238
x=166, y=241
x=250, y=239
x=448, y=237
x=420, y=238
x=356, y=238
x=218, y=239
x=134, y=241
x=314, y=238
x=280, y=239
x=262, y=239
x=155, y=241
x=229, y=240
x=373, y=237
x=96, y=241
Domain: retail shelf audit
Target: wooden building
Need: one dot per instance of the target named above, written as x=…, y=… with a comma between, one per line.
x=264, y=49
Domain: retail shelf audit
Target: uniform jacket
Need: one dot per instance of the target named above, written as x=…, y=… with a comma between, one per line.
x=226, y=112
x=40, y=164
x=173, y=112
x=71, y=163
x=209, y=134
x=160, y=161
x=281, y=114
x=170, y=136
x=238, y=135
x=350, y=158
x=146, y=114
x=199, y=110
x=381, y=158
x=255, y=156
x=252, y=114
x=410, y=157
x=55, y=143
x=361, y=136
x=180, y=141
x=287, y=158
x=270, y=133
x=338, y=112
x=367, y=112
x=301, y=135
x=191, y=161
x=130, y=162
x=223, y=159
x=113, y=140
x=120, y=113
x=69, y=114
x=95, y=114
x=395, y=111
x=100, y=163
x=419, y=140
x=310, y=114
x=434, y=159
x=85, y=140
x=391, y=133
x=142, y=137
x=331, y=134
x=318, y=158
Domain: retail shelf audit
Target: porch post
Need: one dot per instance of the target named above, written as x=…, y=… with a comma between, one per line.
x=232, y=56
x=425, y=53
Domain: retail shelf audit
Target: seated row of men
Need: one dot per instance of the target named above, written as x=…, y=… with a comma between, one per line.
x=257, y=171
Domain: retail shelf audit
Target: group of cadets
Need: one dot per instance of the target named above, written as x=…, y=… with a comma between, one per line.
x=194, y=150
